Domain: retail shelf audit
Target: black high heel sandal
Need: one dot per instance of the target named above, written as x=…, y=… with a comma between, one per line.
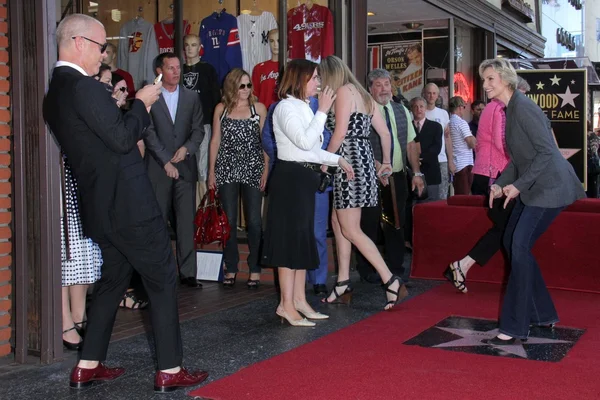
x=229, y=282
x=344, y=298
x=451, y=274
x=69, y=345
x=253, y=283
x=80, y=328
x=400, y=294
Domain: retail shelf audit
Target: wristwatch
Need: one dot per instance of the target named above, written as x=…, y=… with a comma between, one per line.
x=419, y=174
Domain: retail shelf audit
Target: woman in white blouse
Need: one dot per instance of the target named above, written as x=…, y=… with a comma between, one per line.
x=289, y=242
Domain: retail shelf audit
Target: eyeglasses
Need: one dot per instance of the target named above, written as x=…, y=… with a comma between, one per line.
x=102, y=46
x=245, y=85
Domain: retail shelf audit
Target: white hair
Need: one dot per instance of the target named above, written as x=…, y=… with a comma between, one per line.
x=503, y=68
x=74, y=25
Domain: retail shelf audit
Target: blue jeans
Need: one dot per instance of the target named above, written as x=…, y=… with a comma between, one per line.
x=319, y=276
x=252, y=201
x=527, y=300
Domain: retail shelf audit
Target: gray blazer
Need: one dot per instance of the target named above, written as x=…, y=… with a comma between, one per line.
x=164, y=137
x=536, y=168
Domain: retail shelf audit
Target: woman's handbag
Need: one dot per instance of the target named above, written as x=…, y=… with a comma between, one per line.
x=211, y=221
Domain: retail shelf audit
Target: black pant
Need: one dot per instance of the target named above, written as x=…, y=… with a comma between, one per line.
x=147, y=250
x=491, y=241
x=481, y=184
x=394, y=238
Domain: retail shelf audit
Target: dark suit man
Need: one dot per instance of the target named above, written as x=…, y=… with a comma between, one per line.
x=118, y=208
x=429, y=144
x=404, y=150
x=172, y=142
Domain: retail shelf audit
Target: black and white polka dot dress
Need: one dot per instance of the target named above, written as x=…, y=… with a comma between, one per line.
x=81, y=258
x=240, y=157
x=356, y=149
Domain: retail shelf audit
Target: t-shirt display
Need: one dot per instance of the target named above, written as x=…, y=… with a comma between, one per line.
x=264, y=82
x=165, y=35
x=310, y=32
x=220, y=41
x=253, y=31
x=137, y=50
x=202, y=78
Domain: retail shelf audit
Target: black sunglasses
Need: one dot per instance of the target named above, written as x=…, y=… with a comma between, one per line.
x=244, y=86
x=102, y=46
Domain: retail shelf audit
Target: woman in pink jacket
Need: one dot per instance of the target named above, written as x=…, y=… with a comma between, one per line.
x=491, y=159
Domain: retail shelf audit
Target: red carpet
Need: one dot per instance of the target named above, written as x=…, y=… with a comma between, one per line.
x=368, y=360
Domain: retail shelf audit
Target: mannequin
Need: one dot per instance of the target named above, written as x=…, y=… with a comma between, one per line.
x=265, y=75
x=118, y=74
x=202, y=78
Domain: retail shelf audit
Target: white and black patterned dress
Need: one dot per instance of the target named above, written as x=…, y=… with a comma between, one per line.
x=240, y=157
x=356, y=148
x=81, y=258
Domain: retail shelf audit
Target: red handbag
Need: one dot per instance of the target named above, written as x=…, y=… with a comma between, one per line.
x=211, y=221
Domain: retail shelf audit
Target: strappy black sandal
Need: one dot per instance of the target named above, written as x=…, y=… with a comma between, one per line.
x=137, y=303
x=400, y=294
x=79, y=326
x=229, y=282
x=253, y=283
x=69, y=345
x=451, y=274
x=343, y=298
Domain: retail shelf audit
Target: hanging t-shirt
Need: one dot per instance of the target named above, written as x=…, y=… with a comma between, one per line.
x=254, y=39
x=137, y=50
x=264, y=82
x=202, y=78
x=310, y=32
x=165, y=34
x=221, y=43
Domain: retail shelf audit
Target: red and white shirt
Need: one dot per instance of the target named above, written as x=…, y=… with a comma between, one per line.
x=264, y=82
x=165, y=34
x=310, y=32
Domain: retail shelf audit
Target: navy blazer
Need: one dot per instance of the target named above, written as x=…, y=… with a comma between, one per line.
x=536, y=168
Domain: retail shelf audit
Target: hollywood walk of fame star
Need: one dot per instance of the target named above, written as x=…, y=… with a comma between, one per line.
x=540, y=85
x=555, y=80
x=470, y=338
x=567, y=97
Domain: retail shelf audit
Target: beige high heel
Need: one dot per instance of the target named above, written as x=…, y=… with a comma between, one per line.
x=294, y=322
x=312, y=314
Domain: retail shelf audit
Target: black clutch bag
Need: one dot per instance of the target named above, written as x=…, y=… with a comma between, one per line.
x=326, y=179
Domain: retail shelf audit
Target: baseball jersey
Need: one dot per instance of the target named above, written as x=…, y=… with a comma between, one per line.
x=165, y=34
x=203, y=79
x=221, y=43
x=253, y=37
x=137, y=50
x=264, y=82
x=310, y=32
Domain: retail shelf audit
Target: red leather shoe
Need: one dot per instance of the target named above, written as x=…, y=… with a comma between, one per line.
x=164, y=382
x=84, y=377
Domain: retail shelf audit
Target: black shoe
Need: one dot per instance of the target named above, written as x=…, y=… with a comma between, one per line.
x=501, y=342
x=191, y=282
x=320, y=289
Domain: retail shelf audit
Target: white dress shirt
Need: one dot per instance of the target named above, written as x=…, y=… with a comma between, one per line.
x=171, y=98
x=70, y=64
x=299, y=133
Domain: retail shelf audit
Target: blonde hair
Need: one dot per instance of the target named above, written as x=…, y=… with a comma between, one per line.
x=503, y=68
x=231, y=87
x=335, y=74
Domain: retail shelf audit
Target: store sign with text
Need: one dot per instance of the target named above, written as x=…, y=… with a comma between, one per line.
x=404, y=61
x=561, y=94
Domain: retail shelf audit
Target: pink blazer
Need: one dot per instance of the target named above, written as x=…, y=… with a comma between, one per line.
x=491, y=153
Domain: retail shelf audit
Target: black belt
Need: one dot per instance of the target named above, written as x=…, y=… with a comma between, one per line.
x=313, y=166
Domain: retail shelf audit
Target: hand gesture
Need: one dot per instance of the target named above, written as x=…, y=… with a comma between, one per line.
x=419, y=184
x=180, y=155
x=495, y=193
x=212, y=181
x=326, y=99
x=171, y=171
x=149, y=94
x=120, y=95
x=511, y=192
x=345, y=165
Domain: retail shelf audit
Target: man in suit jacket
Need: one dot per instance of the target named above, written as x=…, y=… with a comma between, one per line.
x=118, y=207
x=172, y=142
x=403, y=150
x=429, y=145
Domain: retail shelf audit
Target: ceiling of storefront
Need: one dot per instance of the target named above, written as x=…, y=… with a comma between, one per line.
x=390, y=16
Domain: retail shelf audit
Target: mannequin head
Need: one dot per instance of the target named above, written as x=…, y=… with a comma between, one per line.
x=273, y=37
x=191, y=46
x=111, y=55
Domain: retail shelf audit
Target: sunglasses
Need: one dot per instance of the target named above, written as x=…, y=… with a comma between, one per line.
x=244, y=86
x=102, y=46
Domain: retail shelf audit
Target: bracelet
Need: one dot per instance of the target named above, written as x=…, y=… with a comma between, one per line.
x=383, y=163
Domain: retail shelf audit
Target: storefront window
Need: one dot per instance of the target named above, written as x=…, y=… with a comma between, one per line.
x=464, y=65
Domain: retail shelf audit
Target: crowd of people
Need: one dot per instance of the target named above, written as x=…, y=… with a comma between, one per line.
x=132, y=161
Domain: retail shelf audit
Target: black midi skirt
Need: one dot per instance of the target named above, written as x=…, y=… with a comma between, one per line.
x=289, y=239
